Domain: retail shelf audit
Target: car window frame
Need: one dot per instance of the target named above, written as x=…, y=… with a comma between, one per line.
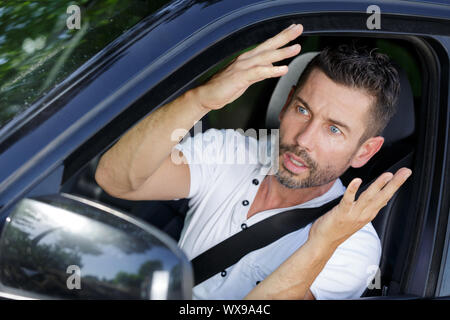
x=170, y=88
x=191, y=84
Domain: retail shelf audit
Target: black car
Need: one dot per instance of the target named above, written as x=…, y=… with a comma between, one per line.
x=73, y=82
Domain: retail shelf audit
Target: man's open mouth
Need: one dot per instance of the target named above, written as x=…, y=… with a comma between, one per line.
x=293, y=163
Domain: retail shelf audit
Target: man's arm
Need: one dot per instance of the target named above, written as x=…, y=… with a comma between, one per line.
x=293, y=278
x=139, y=166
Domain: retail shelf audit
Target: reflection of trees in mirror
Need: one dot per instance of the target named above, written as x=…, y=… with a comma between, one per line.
x=42, y=239
x=175, y=280
x=37, y=218
x=44, y=269
x=27, y=260
x=37, y=50
x=138, y=281
x=131, y=240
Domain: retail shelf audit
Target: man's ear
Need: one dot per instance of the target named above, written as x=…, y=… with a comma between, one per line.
x=366, y=151
x=288, y=101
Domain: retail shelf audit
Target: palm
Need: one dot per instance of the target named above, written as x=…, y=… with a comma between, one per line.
x=248, y=68
x=349, y=215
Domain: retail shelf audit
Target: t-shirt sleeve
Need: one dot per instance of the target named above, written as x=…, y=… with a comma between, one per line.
x=202, y=152
x=351, y=268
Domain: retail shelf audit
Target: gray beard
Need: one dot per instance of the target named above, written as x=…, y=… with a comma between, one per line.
x=315, y=179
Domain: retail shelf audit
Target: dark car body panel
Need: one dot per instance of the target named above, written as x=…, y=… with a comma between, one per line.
x=151, y=57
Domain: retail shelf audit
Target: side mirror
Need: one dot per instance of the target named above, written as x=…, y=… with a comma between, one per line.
x=67, y=247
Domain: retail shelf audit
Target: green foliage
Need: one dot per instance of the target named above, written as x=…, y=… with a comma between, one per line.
x=38, y=51
x=406, y=60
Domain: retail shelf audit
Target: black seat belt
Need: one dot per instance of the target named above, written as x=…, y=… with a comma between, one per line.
x=263, y=233
x=257, y=236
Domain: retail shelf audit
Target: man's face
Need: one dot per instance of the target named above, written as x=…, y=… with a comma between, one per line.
x=320, y=130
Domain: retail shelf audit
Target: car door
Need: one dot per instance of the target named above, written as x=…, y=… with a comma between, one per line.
x=180, y=47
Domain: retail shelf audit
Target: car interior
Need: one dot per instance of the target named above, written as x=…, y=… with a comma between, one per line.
x=258, y=108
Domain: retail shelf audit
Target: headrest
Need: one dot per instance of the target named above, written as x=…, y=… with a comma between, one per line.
x=284, y=85
x=401, y=125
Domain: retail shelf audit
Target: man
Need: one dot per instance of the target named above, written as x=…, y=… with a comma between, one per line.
x=331, y=121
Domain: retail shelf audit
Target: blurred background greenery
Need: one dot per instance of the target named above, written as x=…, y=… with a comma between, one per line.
x=38, y=50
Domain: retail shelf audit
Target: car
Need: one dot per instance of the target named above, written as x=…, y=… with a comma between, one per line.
x=74, y=80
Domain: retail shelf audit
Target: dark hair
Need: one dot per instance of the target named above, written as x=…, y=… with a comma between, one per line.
x=362, y=68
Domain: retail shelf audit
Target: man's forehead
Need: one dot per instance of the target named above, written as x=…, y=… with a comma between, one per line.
x=335, y=101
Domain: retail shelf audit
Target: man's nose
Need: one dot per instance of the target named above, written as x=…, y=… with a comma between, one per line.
x=306, y=137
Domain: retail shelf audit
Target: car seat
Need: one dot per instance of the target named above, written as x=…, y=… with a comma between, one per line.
x=397, y=150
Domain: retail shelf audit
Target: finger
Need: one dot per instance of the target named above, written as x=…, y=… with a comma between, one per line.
x=269, y=57
x=281, y=39
x=383, y=197
x=350, y=193
x=366, y=197
x=260, y=73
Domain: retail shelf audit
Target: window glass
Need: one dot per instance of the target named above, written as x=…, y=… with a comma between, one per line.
x=42, y=42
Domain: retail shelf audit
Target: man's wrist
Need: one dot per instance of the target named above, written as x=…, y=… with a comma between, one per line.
x=321, y=247
x=193, y=97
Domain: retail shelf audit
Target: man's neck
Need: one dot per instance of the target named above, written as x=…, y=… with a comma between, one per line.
x=272, y=195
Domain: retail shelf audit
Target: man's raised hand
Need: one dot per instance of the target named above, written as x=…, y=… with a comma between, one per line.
x=250, y=67
x=349, y=215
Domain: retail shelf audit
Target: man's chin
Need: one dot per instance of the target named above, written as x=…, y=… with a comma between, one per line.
x=303, y=180
x=291, y=183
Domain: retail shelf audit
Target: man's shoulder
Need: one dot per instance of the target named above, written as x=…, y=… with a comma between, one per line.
x=231, y=135
x=230, y=146
x=224, y=137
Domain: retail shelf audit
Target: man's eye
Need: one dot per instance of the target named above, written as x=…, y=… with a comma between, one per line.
x=335, y=130
x=302, y=110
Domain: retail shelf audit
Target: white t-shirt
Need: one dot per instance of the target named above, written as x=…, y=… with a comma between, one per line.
x=221, y=193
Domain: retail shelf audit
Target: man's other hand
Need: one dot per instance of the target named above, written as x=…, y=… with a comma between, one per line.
x=349, y=215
